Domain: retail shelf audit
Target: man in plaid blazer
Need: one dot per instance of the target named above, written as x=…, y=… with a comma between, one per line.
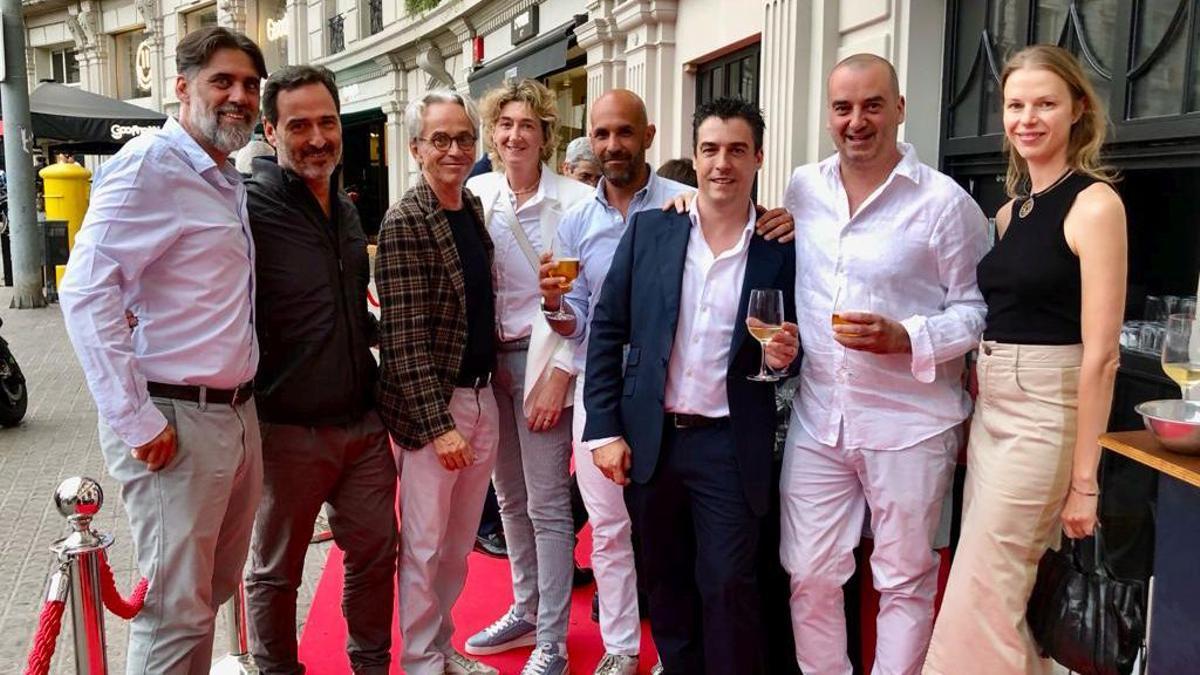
x=438, y=349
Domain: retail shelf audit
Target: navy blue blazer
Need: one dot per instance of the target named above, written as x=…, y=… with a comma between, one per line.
x=639, y=309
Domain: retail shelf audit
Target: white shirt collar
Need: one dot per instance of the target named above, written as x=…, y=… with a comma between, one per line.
x=909, y=166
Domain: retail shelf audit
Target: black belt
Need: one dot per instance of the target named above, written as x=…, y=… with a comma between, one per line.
x=200, y=394
x=473, y=381
x=686, y=421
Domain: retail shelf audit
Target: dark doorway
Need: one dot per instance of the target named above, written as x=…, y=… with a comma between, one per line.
x=364, y=166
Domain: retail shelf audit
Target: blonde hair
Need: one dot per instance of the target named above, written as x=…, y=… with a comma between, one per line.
x=542, y=105
x=1087, y=133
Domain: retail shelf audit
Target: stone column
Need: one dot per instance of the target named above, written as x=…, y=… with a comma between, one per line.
x=152, y=19
x=83, y=20
x=649, y=30
x=232, y=14
x=603, y=42
x=395, y=135
x=297, y=26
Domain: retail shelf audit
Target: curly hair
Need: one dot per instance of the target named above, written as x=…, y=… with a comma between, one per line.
x=541, y=103
x=1087, y=133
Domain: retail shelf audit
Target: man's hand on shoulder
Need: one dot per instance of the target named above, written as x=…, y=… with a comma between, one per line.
x=775, y=223
x=159, y=451
x=614, y=459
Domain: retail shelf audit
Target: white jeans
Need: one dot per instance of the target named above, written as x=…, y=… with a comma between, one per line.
x=439, y=514
x=825, y=492
x=612, y=547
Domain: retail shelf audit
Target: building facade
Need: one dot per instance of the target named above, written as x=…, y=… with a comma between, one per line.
x=674, y=53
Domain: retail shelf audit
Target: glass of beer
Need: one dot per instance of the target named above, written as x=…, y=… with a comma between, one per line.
x=568, y=268
x=764, y=318
x=1181, y=352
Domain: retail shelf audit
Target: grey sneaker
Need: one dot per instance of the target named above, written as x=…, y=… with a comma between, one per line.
x=617, y=664
x=545, y=660
x=457, y=664
x=508, y=632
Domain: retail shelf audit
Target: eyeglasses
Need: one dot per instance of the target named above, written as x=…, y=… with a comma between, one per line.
x=441, y=142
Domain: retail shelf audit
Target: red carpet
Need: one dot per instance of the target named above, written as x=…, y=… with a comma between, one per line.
x=488, y=594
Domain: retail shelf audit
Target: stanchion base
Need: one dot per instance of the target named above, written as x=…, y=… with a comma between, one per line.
x=234, y=665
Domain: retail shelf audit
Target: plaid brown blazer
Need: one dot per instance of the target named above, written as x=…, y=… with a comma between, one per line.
x=423, y=334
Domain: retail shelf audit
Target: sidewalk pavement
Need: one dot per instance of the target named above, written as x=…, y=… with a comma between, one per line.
x=57, y=440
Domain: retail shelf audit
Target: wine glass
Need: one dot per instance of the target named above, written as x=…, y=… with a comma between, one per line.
x=1181, y=352
x=764, y=318
x=567, y=268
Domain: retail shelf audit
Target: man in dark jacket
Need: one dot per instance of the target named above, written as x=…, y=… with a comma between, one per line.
x=323, y=442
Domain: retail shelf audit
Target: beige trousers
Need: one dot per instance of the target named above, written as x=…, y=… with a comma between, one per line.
x=1018, y=473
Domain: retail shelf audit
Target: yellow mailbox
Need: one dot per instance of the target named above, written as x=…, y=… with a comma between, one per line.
x=66, y=187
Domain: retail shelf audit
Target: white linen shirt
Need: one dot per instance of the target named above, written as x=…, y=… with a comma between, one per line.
x=167, y=237
x=708, y=305
x=914, y=245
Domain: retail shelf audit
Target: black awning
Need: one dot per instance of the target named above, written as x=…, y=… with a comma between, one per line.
x=544, y=54
x=87, y=121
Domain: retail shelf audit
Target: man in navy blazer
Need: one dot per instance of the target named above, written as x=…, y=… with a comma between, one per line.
x=670, y=406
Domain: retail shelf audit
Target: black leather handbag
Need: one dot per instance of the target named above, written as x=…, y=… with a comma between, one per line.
x=1082, y=616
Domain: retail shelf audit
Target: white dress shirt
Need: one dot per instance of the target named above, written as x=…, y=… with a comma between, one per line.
x=518, y=297
x=911, y=249
x=167, y=237
x=708, y=305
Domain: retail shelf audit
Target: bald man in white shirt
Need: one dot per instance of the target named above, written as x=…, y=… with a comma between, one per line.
x=887, y=304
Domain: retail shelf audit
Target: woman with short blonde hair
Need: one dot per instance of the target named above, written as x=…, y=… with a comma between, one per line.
x=541, y=104
x=1055, y=290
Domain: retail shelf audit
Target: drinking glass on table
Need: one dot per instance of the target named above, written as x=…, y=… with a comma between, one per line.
x=568, y=268
x=1181, y=351
x=764, y=318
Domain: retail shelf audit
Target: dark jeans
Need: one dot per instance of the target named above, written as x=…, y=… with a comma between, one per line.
x=351, y=468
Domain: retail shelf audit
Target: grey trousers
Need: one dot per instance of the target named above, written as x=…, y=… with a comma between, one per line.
x=532, y=479
x=350, y=468
x=191, y=521
x=439, y=514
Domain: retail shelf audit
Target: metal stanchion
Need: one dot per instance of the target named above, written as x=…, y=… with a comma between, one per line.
x=238, y=661
x=78, y=499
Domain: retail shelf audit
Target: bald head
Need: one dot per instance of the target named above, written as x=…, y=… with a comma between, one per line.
x=620, y=133
x=624, y=103
x=861, y=62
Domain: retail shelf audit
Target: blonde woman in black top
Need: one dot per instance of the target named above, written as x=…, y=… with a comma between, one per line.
x=1055, y=288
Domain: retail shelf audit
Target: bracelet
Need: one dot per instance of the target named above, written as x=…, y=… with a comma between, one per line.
x=1085, y=494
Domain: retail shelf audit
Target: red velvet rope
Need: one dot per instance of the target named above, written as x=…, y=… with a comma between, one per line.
x=42, y=649
x=126, y=609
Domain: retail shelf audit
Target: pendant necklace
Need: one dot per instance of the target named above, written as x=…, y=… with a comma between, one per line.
x=1027, y=207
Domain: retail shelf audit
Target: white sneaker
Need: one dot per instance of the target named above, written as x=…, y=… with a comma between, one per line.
x=617, y=664
x=457, y=664
x=657, y=669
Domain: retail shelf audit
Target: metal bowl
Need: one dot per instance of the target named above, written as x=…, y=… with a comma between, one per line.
x=1175, y=423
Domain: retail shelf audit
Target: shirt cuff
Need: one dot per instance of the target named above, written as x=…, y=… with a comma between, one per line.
x=924, y=367
x=564, y=358
x=592, y=446
x=145, y=425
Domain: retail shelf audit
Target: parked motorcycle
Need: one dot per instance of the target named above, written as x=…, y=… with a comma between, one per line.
x=14, y=397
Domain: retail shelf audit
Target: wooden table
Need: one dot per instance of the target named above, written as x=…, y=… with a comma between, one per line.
x=1141, y=446
x=1175, y=610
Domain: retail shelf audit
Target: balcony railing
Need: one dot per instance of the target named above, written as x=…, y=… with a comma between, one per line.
x=337, y=33
x=375, y=16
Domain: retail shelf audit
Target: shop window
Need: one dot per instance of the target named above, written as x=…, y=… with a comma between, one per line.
x=273, y=32
x=64, y=66
x=734, y=74
x=132, y=60
x=199, y=18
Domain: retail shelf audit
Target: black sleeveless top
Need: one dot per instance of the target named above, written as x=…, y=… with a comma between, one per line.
x=1031, y=279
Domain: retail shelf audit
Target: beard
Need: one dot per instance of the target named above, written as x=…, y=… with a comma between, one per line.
x=633, y=161
x=226, y=137
x=309, y=163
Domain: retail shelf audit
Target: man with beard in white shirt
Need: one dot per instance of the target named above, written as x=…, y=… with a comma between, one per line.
x=887, y=306
x=167, y=238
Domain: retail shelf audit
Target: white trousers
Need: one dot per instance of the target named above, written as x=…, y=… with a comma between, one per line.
x=439, y=515
x=612, y=546
x=825, y=492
